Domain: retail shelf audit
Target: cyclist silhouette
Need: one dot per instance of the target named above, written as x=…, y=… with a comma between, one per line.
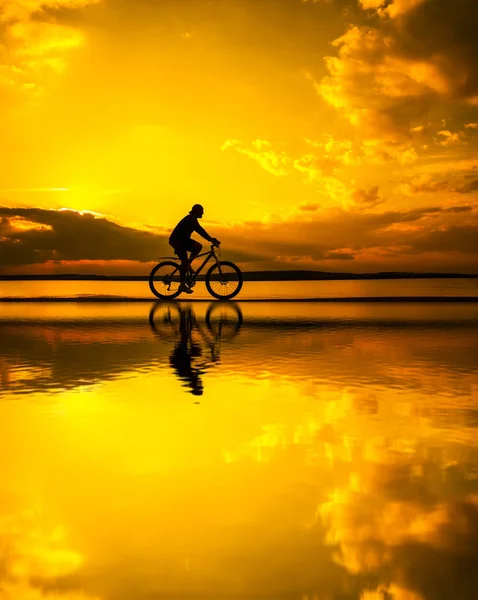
x=180, y=240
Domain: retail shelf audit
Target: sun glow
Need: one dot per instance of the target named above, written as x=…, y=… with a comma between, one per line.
x=330, y=132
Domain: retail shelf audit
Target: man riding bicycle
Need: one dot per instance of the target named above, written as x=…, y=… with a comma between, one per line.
x=180, y=240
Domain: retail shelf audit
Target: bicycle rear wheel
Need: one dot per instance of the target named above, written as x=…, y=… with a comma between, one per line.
x=224, y=280
x=164, y=280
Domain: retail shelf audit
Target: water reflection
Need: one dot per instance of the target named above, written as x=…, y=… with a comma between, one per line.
x=428, y=348
x=65, y=354
x=336, y=456
x=58, y=356
x=173, y=321
x=37, y=562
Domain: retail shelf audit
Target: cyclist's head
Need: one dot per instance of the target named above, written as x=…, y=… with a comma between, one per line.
x=197, y=211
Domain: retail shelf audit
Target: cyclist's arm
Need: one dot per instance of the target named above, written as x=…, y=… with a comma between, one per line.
x=203, y=233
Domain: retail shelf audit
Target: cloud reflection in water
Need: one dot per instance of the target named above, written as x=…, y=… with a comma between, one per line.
x=333, y=454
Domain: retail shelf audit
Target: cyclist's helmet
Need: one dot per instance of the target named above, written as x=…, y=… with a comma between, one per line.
x=197, y=209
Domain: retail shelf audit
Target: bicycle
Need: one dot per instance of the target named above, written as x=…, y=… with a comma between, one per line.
x=223, y=279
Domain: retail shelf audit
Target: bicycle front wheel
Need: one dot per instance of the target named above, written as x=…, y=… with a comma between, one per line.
x=164, y=280
x=224, y=280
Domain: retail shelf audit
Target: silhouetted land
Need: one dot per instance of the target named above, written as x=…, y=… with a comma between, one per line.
x=252, y=276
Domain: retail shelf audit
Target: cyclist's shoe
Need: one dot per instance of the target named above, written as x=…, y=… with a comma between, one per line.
x=184, y=288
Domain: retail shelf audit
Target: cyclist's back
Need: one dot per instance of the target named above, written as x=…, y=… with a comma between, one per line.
x=184, y=229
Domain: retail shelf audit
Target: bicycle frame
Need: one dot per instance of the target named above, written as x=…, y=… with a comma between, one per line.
x=209, y=254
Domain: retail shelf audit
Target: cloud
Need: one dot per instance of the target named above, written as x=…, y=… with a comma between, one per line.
x=330, y=157
x=20, y=10
x=388, y=75
x=32, y=236
x=470, y=187
x=350, y=197
x=462, y=237
x=391, y=9
x=370, y=4
x=450, y=138
x=34, y=43
x=312, y=207
x=35, y=236
x=276, y=163
x=368, y=198
x=422, y=184
x=331, y=153
x=400, y=236
x=230, y=144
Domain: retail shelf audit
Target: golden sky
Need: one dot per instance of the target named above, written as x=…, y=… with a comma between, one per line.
x=338, y=135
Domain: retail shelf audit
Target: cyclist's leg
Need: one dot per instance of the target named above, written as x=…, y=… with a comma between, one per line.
x=182, y=254
x=195, y=249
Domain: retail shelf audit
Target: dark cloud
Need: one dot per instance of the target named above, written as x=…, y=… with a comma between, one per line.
x=463, y=238
x=64, y=12
x=70, y=236
x=424, y=184
x=368, y=198
x=343, y=235
x=391, y=71
x=313, y=207
x=458, y=209
x=444, y=33
x=469, y=187
x=33, y=236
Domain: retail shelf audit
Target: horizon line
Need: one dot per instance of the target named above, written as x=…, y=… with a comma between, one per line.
x=268, y=274
x=359, y=299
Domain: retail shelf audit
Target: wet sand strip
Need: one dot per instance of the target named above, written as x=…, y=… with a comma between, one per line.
x=359, y=299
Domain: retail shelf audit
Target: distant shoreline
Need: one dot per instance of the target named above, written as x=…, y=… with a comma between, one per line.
x=254, y=276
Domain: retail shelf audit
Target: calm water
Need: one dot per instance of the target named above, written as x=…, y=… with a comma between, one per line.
x=274, y=451
x=251, y=289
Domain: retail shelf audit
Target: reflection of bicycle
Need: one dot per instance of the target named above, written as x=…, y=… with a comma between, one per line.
x=223, y=320
x=223, y=279
x=170, y=321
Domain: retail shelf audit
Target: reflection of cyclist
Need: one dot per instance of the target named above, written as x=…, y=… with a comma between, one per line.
x=181, y=358
x=171, y=321
x=180, y=240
